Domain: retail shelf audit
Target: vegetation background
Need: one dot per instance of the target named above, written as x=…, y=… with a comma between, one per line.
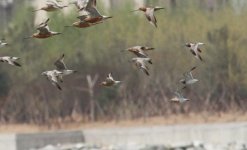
x=26, y=96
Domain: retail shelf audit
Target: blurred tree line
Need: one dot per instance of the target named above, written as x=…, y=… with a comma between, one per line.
x=27, y=97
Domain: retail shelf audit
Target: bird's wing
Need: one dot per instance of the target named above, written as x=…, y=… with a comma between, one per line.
x=193, y=68
x=186, y=75
x=110, y=76
x=93, y=12
x=83, y=16
x=2, y=40
x=199, y=50
x=57, y=85
x=16, y=64
x=54, y=77
x=177, y=94
x=150, y=16
x=199, y=56
x=44, y=23
x=193, y=52
x=138, y=64
x=82, y=4
x=189, y=74
x=9, y=61
x=59, y=63
x=143, y=65
x=196, y=46
x=43, y=29
x=53, y=3
x=146, y=59
x=145, y=71
x=142, y=53
x=91, y=3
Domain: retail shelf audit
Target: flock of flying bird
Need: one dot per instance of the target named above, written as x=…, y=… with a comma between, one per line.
x=90, y=16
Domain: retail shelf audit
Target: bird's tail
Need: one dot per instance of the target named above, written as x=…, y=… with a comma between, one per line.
x=68, y=26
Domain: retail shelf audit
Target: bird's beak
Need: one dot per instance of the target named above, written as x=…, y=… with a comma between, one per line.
x=59, y=33
x=135, y=10
x=123, y=50
x=187, y=45
x=67, y=26
x=27, y=38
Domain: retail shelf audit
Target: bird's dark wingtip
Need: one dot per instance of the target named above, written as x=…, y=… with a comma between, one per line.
x=17, y=64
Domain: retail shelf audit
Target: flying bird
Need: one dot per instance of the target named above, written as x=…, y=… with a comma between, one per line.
x=83, y=24
x=110, y=81
x=195, y=50
x=51, y=5
x=179, y=97
x=188, y=77
x=89, y=13
x=3, y=43
x=149, y=13
x=43, y=31
x=61, y=67
x=141, y=64
x=140, y=51
x=53, y=77
x=10, y=60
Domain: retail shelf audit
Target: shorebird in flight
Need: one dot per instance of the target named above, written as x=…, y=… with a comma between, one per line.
x=110, y=81
x=83, y=24
x=10, y=60
x=195, y=50
x=149, y=13
x=188, y=77
x=61, y=67
x=3, y=43
x=141, y=64
x=139, y=51
x=51, y=5
x=89, y=13
x=179, y=97
x=43, y=31
x=53, y=77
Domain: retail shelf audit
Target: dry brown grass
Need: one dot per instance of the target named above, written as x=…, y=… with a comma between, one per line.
x=171, y=120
